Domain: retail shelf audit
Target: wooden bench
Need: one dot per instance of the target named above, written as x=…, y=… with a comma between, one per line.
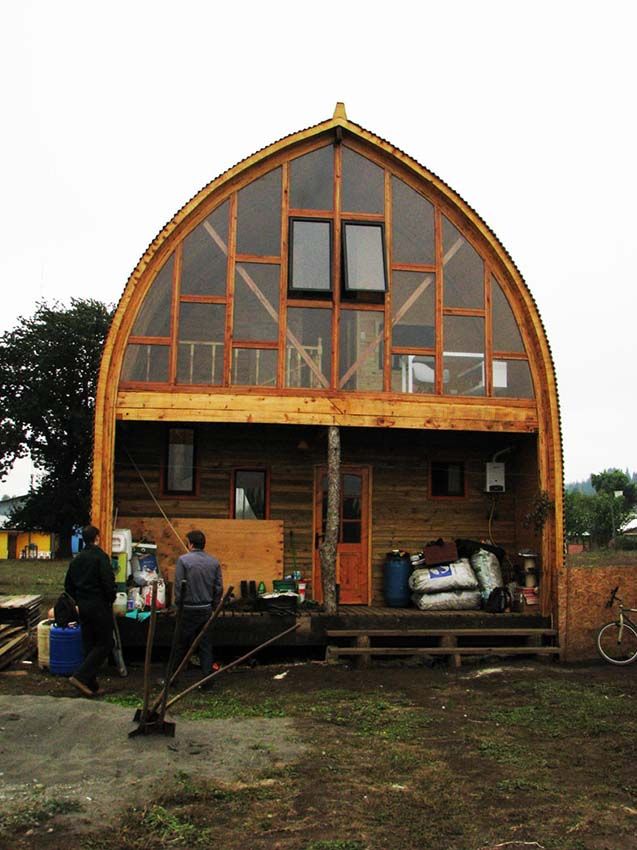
x=362, y=648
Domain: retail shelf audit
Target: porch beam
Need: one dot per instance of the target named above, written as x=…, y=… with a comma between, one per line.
x=345, y=409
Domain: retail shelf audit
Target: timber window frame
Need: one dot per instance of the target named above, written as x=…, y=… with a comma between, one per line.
x=295, y=237
x=237, y=472
x=351, y=285
x=441, y=479
x=172, y=462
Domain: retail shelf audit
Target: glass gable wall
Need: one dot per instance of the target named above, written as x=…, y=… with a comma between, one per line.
x=329, y=272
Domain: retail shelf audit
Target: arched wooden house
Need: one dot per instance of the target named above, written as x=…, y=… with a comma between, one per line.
x=329, y=279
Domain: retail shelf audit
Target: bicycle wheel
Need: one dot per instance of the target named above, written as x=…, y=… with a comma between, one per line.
x=614, y=650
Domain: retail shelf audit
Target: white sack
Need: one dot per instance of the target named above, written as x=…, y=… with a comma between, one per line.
x=455, y=600
x=456, y=576
x=487, y=570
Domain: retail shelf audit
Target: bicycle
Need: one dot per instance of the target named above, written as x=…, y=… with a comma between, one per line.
x=617, y=641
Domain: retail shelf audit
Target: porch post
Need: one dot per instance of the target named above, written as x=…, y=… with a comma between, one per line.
x=327, y=548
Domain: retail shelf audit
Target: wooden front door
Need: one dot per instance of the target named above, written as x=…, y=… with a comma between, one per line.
x=352, y=564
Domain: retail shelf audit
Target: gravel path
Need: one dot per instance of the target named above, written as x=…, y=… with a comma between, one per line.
x=77, y=749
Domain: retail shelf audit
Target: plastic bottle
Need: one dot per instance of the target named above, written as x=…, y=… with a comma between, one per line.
x=261, y=587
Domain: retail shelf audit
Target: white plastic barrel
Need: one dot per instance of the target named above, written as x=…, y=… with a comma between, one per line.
x=44, y=637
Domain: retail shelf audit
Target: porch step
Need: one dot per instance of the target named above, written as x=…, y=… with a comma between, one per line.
x=440, y=632
x=447, y=643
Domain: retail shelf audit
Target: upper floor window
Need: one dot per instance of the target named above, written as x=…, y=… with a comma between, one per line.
x=310, y=256
x=364, y=255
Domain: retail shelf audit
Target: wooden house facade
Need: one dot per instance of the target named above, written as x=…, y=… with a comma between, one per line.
x=329, y=279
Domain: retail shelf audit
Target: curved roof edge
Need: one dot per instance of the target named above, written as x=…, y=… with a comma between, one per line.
x=339, y=121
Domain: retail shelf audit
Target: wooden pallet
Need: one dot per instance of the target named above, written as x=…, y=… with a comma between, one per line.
x=447, y=643
x=22, y=610
x=14, y=644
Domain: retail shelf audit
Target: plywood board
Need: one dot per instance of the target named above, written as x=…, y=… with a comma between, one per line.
x=247, y=549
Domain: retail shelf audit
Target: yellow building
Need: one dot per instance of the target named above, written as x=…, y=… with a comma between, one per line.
x=26, y=544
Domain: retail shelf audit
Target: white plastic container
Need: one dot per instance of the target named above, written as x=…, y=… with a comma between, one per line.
x=44, y=638
x=119, y=606
x=122, y=542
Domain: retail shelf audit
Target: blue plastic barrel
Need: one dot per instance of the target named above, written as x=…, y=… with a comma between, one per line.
x=65, y=650
x=396, y=580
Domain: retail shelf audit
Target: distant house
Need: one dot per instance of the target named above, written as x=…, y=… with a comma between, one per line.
x=15, y=543
x=630, y=529
x=8, y=506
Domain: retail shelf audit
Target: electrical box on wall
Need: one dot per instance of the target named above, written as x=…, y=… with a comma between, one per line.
x=495, y=478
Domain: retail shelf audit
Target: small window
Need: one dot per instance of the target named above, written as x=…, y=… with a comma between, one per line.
x=447, y=479
x=180, y=466
x=310, y=256
x=364, y=257
x=249, y=494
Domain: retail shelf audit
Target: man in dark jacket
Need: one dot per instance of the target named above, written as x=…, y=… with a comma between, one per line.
x=204, y=589
x=90, y=580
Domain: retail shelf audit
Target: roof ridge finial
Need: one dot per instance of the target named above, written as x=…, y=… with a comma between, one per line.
x=339, y=111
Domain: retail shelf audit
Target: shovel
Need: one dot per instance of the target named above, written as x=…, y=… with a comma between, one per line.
x=150, y=726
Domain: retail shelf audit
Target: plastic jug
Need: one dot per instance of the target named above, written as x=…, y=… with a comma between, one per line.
x=119, y=606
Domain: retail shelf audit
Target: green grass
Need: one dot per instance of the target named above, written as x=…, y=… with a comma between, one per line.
x=125, y=700
x=35, y=813
x=555, y=708
x=367, y=715
x=499, y=750
x=223, y=706
x=513, y=786
x=603, y=558
x=172, y=829
x=33, y=577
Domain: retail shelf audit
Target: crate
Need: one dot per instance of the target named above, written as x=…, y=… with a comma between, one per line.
x=278, y=604
x=283, y=586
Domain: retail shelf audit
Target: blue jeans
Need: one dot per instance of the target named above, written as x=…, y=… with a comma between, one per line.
x=192, y=621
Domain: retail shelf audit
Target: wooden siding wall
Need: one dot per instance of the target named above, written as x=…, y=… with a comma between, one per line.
x=403, y=513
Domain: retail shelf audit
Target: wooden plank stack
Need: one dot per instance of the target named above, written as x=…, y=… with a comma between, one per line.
x=18, y=616
x=20, y=610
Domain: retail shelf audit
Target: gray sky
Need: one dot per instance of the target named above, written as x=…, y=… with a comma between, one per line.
x=116, y=114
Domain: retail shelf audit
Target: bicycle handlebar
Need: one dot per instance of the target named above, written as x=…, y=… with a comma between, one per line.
x=611, y=601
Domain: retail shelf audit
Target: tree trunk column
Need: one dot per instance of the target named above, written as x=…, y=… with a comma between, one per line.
x=327, y=548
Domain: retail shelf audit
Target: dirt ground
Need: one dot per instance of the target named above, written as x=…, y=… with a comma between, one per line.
x=304, y=756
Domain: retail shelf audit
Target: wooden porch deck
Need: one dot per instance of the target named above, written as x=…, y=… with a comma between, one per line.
x=399, y=628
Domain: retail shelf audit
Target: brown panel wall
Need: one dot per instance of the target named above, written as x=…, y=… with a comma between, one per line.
x=583, y=593
x=403, y=513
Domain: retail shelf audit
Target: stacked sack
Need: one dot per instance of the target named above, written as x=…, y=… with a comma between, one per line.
x=488, y=572
x=450, y=586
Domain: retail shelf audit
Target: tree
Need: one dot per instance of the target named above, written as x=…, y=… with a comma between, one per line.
x=578, y=513
x=611, y=511
x=611, y=481
x=48, y=375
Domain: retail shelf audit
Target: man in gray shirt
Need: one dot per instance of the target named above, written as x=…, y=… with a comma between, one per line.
x=203, y=591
